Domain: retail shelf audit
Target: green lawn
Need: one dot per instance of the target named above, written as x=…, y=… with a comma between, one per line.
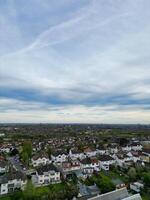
x=44, y=190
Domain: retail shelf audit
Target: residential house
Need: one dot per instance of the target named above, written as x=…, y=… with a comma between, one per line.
x=126, y=148
x=40, y=159
x=136, y=146
x=136, y=186
x=122, y=159
x=135, y=155
x=88, y=165
x=71, y=165
x=12, y=181
x=76, y=154
x=113, y=149
x=47, y=174
x=5, y=148
x=59, y=156
x=145, y=156
x=101, y=150
x=90, y=152
x=105, y=161
x=3, y=166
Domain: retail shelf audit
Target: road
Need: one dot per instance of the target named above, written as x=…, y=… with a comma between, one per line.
x=16, y=164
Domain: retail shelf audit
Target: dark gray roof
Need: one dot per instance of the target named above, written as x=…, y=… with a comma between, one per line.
x=105, y=158
x=40, y=155
x=86, y=161
x=46, y=168
x=76, y=151
x=11, y=176
x=57, y=153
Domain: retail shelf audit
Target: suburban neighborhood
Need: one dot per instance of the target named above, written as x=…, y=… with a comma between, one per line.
x=89, y=165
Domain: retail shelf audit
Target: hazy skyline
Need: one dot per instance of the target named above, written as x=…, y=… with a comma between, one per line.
x=82, y=61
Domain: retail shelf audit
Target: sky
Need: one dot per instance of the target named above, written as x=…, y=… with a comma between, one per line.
x=75, y=61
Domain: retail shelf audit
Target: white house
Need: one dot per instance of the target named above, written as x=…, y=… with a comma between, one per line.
x=76, y=154
x=101, y=150
x=121, y=159
x=105, y=161
x=40, y=159
x=3, y=166
x=89, y=165
x=126, y=148
x=71, y=165
x=136, y=146
x=47, y=174
x=59, y=157
x=90, y=152
x=136, y=186
x=134, y=155
x=113, y=149
x=10, y=182
x=5, y=148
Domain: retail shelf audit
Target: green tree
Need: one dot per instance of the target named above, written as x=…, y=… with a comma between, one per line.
x=146, y=178
x=132, y=174
x=49, y=152
x=25, y=157
x=105, y=184
x=27, y=147
x=26, y=152
x=71, y=191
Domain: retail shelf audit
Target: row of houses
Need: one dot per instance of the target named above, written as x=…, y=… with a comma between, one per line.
x=105, y=158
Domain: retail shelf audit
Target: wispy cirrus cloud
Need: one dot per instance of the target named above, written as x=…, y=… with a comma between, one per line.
x=92, y=54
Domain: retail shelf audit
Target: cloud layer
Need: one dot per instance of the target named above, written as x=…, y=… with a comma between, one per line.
x=75, y=61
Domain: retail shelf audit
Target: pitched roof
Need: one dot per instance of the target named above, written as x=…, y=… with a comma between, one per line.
x=11, y=176
x=120, y=194
x=57, y=153
x=114, y=195
x=40, y=155
x=46, y=168
x=76, y=151
x=86, y=161
x=105, y=158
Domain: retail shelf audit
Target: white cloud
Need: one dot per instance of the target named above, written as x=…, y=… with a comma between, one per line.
x=100, y=52
x=19, y=111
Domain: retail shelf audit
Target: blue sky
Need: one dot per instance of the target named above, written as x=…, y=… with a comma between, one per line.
x=78, y=61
